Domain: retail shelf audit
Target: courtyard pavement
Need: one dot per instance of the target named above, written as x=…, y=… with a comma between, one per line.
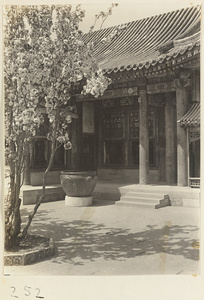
x=106, y=239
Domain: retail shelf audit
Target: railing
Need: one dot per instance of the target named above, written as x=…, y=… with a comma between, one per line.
x=194, y=182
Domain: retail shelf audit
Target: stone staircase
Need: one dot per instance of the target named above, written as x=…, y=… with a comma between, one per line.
x=144, y=199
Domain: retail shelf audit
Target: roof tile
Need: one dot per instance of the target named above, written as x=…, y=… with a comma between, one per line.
x=136, y=44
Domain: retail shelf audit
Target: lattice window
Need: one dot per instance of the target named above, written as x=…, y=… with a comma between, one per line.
x=113, y=125
x=194, y=135
x=39, y=153
x=194, y=182
x=108, y=103
x=151, y=123
x=134, y=124
x=126, y=101
x=44, y=127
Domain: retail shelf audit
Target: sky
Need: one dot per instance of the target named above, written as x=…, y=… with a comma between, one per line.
x=126, y=11
x=129, y=11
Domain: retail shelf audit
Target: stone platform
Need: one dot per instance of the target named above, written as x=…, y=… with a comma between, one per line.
x=179, y=196
x=31, y=194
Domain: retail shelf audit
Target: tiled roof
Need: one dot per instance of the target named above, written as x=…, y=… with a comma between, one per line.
x=147, y=42
x=192, y=117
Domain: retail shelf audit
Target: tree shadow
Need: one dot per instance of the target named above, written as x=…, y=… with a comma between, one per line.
x=78, y=241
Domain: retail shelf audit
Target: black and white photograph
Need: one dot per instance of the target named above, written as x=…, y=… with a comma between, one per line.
x=101, y=138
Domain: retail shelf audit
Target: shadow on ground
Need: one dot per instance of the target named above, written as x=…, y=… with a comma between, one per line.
x=78, y=241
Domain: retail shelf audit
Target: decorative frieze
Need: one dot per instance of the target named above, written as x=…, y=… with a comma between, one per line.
x=116, y=102
x=165, y=77
x=112, y=93
x=122, y=92
x=162, y=87
x=128, y=80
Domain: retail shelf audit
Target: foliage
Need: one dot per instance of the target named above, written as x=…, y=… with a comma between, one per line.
x=103, y=15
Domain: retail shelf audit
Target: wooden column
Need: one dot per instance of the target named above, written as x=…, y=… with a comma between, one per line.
x=182, y=146
x=170, y=145
x=75, y=137
x=74, y=150
x=144, y=139
x=99, y=136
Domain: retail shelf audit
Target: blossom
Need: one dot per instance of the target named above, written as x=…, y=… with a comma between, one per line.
x=46, y=61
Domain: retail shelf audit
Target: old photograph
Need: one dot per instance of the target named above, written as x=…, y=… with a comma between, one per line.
x=102, y=139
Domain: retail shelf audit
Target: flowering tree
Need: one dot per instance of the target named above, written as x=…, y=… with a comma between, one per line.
x=45, y=57
x=21, y=116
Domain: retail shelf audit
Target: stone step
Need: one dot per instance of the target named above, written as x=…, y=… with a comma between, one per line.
x=141, y=204
x=145, y=199
x=140, y=199
x=136, y=205
x=146, y=195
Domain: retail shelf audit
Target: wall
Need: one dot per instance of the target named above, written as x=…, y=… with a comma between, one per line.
x=124, y=175
x=53, y=177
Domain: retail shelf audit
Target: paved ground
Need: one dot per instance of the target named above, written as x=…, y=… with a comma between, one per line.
x=106, y=239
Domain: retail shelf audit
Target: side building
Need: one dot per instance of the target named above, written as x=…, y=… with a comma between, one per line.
x=146, y=126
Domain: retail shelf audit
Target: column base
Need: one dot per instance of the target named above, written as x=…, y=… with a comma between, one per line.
x=78, y=201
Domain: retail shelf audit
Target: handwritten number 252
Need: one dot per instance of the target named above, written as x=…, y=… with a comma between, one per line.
x=27, y=290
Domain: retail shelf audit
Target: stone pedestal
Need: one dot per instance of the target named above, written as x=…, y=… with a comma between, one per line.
x=78, y=201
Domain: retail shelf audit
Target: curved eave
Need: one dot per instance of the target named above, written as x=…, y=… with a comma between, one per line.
x=147, y=43
x=192, y=117
x=176, y=52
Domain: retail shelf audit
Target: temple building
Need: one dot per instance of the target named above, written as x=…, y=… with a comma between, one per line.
x=146, y=127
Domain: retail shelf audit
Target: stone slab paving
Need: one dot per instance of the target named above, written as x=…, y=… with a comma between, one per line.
x=106, y=239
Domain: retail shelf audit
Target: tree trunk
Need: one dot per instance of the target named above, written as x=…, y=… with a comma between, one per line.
x=23, y=234
x=12, y=215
